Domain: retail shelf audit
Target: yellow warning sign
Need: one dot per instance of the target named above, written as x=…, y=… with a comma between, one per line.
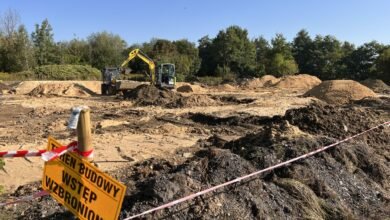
x=86, y=191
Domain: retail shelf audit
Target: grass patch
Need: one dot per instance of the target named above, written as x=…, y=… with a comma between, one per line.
x=311, y=207
x=210, y=80
x=54, y=72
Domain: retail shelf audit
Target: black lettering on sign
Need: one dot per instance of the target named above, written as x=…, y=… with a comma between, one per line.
x=68, y=160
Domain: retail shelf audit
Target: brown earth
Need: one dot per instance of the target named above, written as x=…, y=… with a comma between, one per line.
x=57, y=89
x=188, y=88
x=340, y=91
x=376, y=85
x=298, y=82
x=264, y=81
x=4, y=88
x=163, y=152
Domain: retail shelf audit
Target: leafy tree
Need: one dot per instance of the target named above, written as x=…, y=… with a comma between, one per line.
x=15, y=50
x=45, y=48
x=383, y=65
x=361, y=63
x=74, y=52
x=263, y=50
x=281, y=60
x=233, y=50
x=326, y=56
x=302, y=48
x=206, y=55
x=187, y=61
x=106, y=49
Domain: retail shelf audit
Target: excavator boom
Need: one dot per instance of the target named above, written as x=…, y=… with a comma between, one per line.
x=138, y=53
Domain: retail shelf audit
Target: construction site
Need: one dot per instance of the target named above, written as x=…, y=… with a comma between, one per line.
x=164, y=144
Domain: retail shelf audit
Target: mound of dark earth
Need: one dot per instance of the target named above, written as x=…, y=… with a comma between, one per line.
x=350, y=181
x=151, y=95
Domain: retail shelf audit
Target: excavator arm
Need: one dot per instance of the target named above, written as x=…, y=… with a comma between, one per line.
x=138, y=53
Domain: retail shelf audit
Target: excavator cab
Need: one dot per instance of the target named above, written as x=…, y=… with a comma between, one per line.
x=109, y=76
x=166, y=75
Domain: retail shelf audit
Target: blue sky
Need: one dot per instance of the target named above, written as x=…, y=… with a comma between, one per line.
x=357, y=21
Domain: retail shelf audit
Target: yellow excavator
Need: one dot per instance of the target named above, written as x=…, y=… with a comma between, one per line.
x=165, y=77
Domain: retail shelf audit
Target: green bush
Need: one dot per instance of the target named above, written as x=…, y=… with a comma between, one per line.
x=66, y=72
x=55, y=72
x=210, y=80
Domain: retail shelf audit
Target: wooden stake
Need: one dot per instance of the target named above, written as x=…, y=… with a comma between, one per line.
x=84, y=134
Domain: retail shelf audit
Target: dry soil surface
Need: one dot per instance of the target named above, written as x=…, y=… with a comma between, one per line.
x=164, y=145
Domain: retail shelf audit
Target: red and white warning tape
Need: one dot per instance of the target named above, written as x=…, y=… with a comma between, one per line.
x=22, y=153
x=47, y=155
x=186, y=198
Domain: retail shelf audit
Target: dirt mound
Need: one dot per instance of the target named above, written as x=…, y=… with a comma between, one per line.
x=376, y=85
x=350, y=181
x=26, y=86
x=193, y=100
x=264, y=81
x=151, y=95
x=340, y=91
x=226, y=87
x=315, y=188
x=187, y=88
x=59, y=89
x=299, y=82
x=4, y=88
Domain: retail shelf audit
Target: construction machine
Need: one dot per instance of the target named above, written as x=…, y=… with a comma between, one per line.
x=164, y=77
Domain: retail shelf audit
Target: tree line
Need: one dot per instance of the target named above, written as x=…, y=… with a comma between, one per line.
x=230, y=54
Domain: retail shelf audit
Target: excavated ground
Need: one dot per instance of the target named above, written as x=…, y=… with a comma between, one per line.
x=351, y=181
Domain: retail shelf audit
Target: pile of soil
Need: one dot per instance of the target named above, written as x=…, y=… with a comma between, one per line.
x=151, y=95
x=59, y=89
x=4, y=88
x=340, y=91
x=350, y=181
x=226, y=87
x=376, y=85
x=145, y=95
x=193, y=100
x=264, y=81
x=298, y=82
x=188, y=88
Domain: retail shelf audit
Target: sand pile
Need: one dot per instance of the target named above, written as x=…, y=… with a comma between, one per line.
x=340, y=91
x=60, y=89
x=376, y=85
x=226, y=87
x=264, y=81
x=299, y=82
x=25, y=87
x=188, y=88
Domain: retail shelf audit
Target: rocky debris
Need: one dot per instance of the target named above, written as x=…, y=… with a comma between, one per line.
x=340, y=91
